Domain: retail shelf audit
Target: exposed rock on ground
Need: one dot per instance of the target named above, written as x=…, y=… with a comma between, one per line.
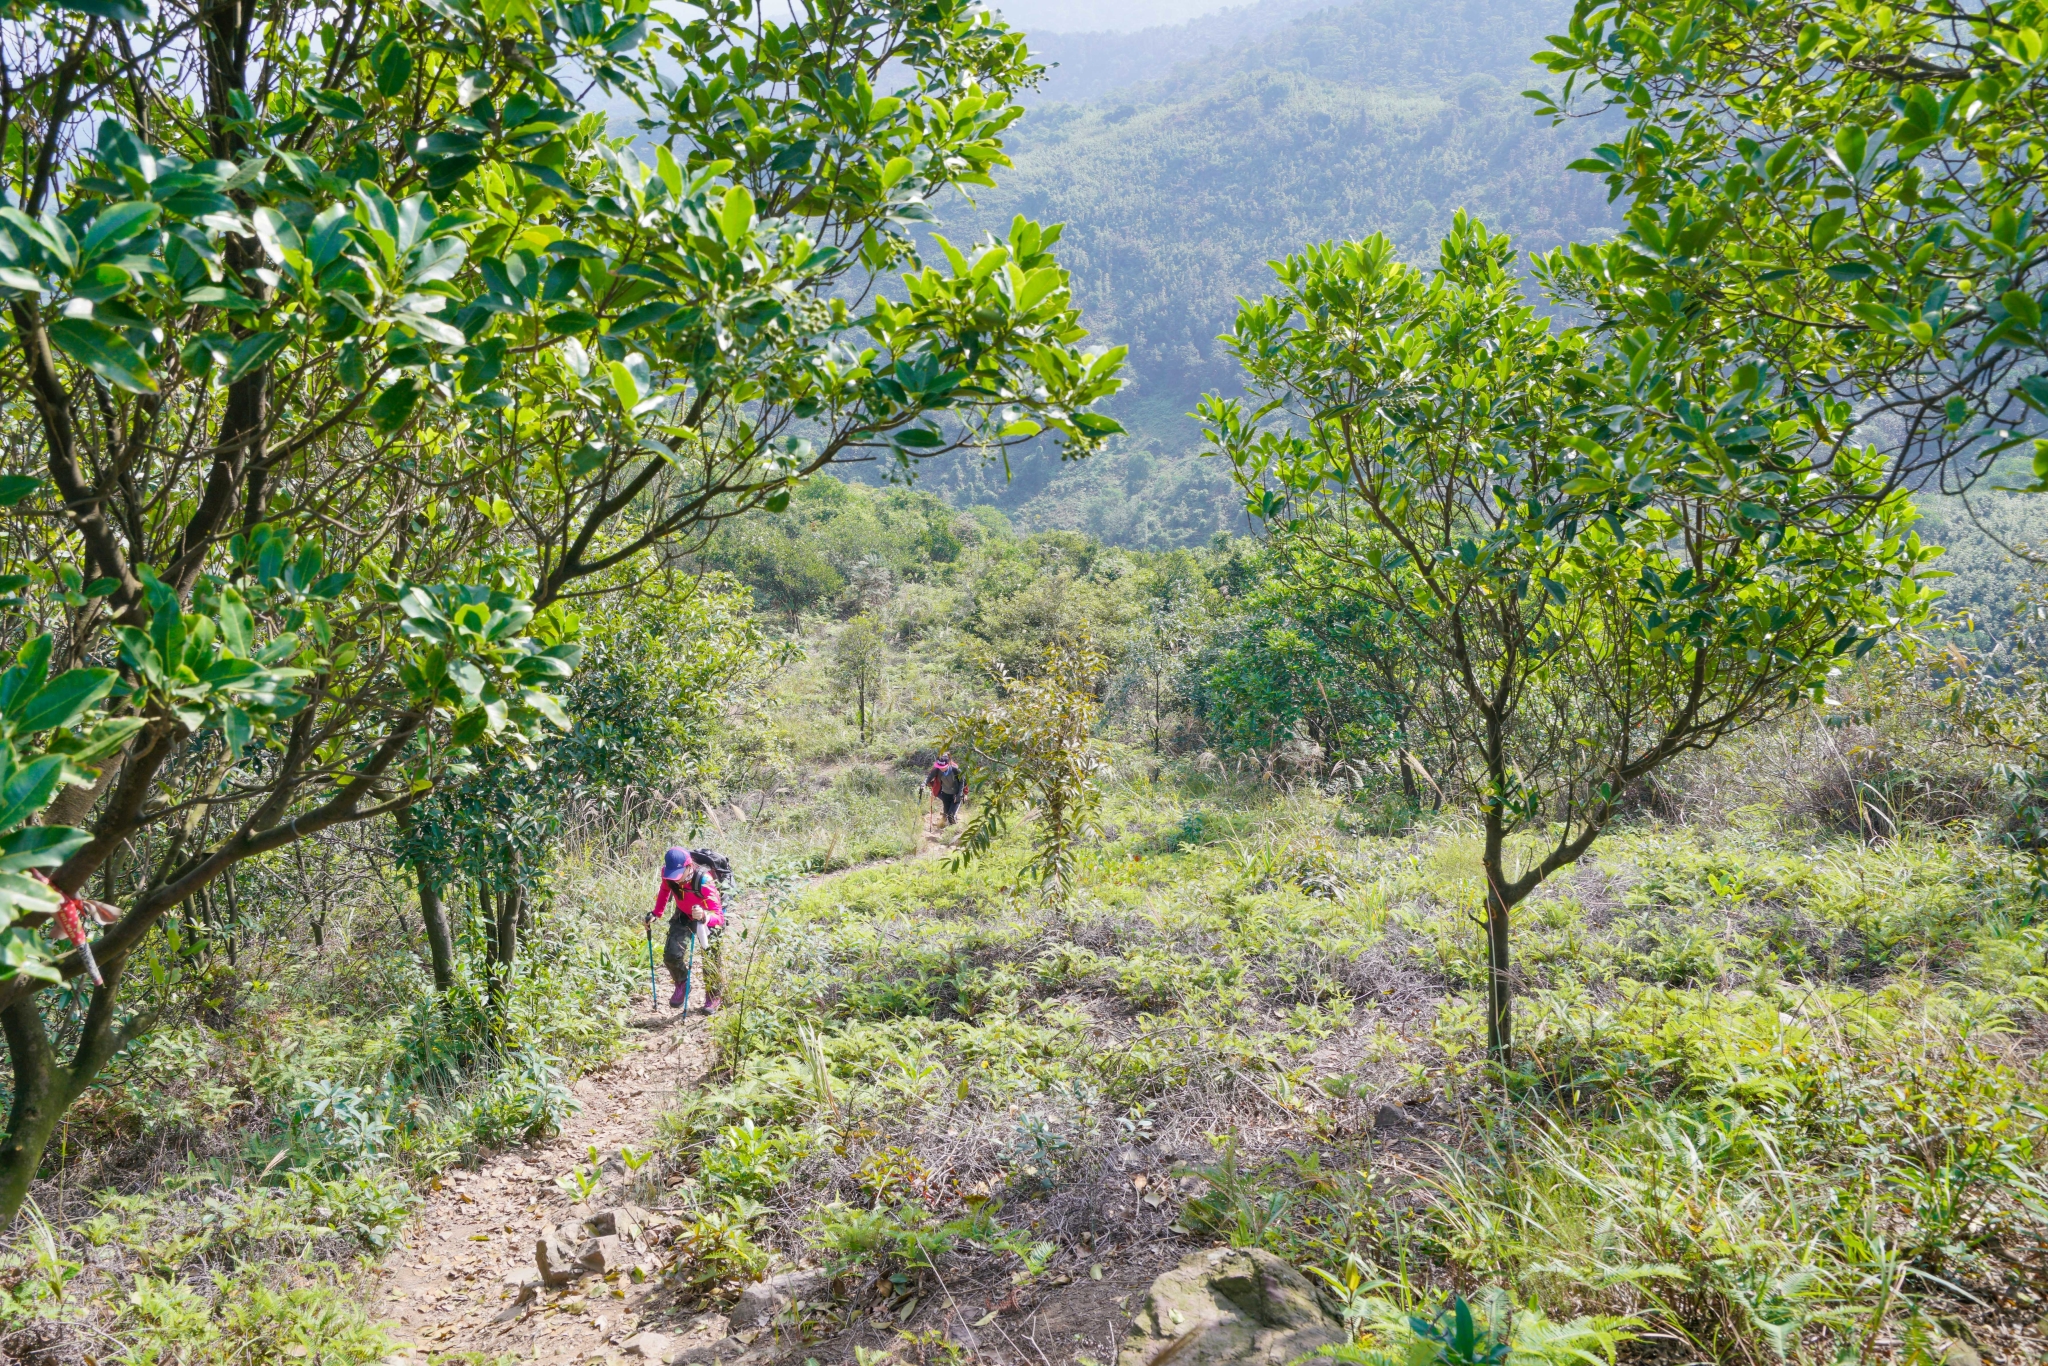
x=760, y=1302
x=1244, y=1307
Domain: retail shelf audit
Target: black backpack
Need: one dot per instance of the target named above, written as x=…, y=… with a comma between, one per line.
x=718, y=865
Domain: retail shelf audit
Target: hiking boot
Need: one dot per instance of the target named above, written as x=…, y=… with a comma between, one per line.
x=712, y=1005
x=680, y=996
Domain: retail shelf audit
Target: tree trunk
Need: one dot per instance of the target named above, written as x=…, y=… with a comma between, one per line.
x=509, y=906
x=504, y=930
x=1408, y=790
x=45, y=1088
x=487, y=919
x=440, y=944
x=1499, y=986
x=38, y=1103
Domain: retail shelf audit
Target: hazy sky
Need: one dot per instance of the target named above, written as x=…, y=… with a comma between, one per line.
x=1094, y=16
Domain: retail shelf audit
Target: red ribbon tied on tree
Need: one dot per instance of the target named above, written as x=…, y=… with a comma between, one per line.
x=70, y=921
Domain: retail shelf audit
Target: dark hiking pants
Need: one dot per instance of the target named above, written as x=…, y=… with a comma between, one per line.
x=675, y=955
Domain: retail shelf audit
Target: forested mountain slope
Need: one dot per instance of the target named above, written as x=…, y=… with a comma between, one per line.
x=1378, y=116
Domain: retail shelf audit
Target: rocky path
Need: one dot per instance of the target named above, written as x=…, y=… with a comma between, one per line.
x=461, y=1281
x=454, y=1285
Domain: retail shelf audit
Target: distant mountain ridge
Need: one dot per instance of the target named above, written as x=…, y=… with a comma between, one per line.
x=1096, y=16
x=1096, y=65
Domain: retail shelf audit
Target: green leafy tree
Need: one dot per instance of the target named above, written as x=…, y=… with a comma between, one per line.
x=1297, y=650
x=788, y=573
x=342, y=358
x=858, y=656
x=1847, y=193
x=657, y=668
x=1576, y=621
x=1160, y=644
x=1033, y=746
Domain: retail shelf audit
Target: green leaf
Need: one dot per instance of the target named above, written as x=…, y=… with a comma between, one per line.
x=624, y=385
x=251, y=352
x=15, y=487
x=337, y=106
x=21, y=896
x=40, y=846
x=117, y=223
x=31, y=670
x=391, y=60
x=1826, y=228
x=737, y=214
x=570, y=321
x=469, y=729
x=918, y=439
x=654, y=311
x=549, y=708
x=395, y=405
x=897, y=168
x=1037, y=285
x=30, y=790
x=103, y=351
x=276, y=233
x=237, y=623
x=235, y=728
x=1850, y=144
x=62, y=700
x=2022, y=306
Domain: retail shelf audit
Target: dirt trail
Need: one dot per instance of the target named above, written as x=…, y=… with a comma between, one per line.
x=448, y=1287
x=445, y=1289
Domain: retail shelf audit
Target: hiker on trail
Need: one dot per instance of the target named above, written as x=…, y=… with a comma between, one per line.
x=948, y=782
x=690, y=885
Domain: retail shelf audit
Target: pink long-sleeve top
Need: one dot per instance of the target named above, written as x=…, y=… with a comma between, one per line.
x=696, y=897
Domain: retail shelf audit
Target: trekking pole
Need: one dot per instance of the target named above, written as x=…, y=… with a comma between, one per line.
x=653, y=985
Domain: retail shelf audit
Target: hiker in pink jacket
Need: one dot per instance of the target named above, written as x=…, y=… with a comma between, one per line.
x=695, y=894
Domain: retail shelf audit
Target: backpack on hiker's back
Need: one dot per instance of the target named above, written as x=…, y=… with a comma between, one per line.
x=716, y=864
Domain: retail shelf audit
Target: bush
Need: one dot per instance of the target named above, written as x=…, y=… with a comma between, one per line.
x=523, y=1101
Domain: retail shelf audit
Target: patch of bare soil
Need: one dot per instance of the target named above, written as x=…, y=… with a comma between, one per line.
x=454, y=1286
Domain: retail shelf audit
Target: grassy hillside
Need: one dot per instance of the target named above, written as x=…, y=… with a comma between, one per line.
x=1779, y=1096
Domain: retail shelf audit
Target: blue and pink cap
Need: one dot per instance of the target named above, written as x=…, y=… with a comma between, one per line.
x=674, y=864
